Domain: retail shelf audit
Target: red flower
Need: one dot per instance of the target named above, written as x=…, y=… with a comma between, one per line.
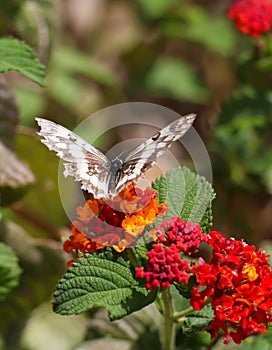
x=251, y=17
x=165, y=265
x=239, y=282
x=113, y=222
x=184, y=234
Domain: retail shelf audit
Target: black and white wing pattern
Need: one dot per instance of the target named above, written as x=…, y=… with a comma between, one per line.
x=81, y=160
x=144, y=156
x=97, y=174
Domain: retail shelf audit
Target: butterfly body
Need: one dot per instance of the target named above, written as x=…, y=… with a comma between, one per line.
x=97, y=174
x=114, y=175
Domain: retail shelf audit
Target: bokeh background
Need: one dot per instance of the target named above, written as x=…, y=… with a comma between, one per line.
x=184, y=55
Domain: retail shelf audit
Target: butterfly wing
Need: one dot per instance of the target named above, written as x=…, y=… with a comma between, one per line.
x=144, y=156
x=81, y=160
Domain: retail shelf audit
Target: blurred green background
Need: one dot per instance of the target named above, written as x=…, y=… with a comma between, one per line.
x=184, y=55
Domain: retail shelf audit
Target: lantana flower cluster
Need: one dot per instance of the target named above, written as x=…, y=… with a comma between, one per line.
x=251, y=17
x=237, y=281
x=116, y=222
x=165, y=264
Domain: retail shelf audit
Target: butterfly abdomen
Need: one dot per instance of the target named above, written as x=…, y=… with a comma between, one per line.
x=114, y=175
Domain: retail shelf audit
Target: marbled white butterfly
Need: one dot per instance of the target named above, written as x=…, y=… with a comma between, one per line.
x=97, y=174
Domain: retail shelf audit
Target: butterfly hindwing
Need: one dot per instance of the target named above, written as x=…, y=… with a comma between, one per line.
x=81, y=160
x=144, y=156
x=93, y=169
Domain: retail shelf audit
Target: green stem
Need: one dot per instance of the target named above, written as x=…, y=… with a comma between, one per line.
x=178, y=316
x=168, y=331
x=159, y=304
x=132, y=255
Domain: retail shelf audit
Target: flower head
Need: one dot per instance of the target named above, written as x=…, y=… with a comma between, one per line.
x=165, y=265
x=116, y=222
x=251, y=17
x=239, y=282
x=186, y=235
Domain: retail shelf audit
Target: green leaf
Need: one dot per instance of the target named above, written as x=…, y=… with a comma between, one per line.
x=157, y=8
x=175, y=79
x=73, y=61
x=18, y=56
x=246, y=121
x=199, y=25
x=206, y=222
x=9, y=270
x=187, y=194
x=197, y=320
x=101, y=279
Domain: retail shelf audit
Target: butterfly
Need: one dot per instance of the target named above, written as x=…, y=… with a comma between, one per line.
x=101, y=177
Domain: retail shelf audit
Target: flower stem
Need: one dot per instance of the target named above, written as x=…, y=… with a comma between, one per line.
x=168, y=331
x=132, y=255
x=179, y=316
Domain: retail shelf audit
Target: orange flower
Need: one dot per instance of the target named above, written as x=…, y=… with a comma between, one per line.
x=116, y=222
x=136, y=223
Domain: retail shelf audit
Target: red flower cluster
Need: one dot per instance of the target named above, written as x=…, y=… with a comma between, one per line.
x=251, y=17
x=115, y=223
x=184, y=234
x=239, y=282
x=165, y=265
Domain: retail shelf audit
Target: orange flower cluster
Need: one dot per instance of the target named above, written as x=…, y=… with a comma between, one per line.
x=116, y=222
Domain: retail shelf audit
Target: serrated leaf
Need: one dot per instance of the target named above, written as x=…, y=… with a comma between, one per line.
x=206, y=222
x=9, y=270
x=102, y=279
x=187, y=194
x=18, y=56
x=197, y=320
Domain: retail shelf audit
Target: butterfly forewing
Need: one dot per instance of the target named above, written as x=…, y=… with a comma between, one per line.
x=81, y=160
x=144, y=156
x=92, y=168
